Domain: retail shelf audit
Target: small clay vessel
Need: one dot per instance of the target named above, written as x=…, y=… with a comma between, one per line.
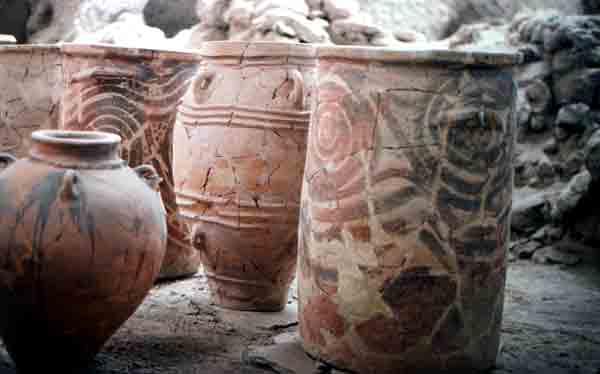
x=405, y=213
x=134, y=93
x=239, y=150
x=31, y=78
x=82, y=237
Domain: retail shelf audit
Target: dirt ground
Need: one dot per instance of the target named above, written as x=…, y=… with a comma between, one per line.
x=551, y=325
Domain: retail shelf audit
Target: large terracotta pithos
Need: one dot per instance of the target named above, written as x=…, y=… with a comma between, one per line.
x=134, y=93
x=239, y=151
x=405, y=209
x=31, y=78
x=82, y=237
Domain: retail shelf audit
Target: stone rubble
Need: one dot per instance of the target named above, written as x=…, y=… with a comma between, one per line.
x=327, y=21
x=558, y=114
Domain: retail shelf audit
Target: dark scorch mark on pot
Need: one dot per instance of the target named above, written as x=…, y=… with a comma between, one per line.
x=47, y=194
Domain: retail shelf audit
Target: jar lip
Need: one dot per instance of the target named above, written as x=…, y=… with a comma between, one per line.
x=103, y=50
x=422, y=54
x=76, y=138
x=258, y=49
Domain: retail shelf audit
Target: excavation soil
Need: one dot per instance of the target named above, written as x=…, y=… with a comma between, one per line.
x=551, y=325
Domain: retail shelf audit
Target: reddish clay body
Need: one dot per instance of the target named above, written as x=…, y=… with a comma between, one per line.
x=134, y=93
x=405, y=209
x=82, y=237
x=240, y=145
x=31, y=78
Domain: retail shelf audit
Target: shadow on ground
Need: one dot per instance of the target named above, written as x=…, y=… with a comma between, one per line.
x=551, y=325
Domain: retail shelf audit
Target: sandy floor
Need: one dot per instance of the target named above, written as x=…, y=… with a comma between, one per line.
x=551, y=325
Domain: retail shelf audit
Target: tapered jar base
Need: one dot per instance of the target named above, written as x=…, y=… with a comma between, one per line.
x=247, y=295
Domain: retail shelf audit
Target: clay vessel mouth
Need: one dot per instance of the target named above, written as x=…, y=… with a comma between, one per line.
x=76, y=138
x=79, y=149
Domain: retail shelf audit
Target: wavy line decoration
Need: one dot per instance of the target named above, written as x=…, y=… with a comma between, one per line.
x=136, y=99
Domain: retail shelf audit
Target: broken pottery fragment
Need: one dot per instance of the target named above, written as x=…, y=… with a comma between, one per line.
x=239, y=150
x=31, y=78
x=405, y=209
x=134, y=93
x=82, y=237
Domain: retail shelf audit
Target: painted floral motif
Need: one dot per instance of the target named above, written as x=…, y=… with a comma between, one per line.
x=405, y=215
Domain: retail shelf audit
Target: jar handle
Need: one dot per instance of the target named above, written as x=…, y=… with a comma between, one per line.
x=149, y=175
x=202, y=81
x=297, y=95
x=7, y=159
x=70, y=185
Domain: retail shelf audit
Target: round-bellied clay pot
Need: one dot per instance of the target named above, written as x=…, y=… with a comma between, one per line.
x=239, y=150
x=134, y=93
x=405, y=209
x=82, y=237
x=31, y=78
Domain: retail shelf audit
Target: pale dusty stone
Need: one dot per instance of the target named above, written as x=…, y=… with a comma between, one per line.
x=97, y=14
x=354, y=30
x=52, y=21
x=297, y=6
x=429, y=17
x=200, y=33
x=384, y=39
x=305, y=29
x=239, y=16
x=129, y=30
x=480, y=35
x=410, y=36
x=211, y=12
x=340, y=9
x=7, y=39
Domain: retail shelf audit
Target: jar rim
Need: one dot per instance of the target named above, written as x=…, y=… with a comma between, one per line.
x=424, y=54
x=259, y=49
x=75, y=138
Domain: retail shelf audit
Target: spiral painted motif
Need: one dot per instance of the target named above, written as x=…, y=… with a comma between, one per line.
x=405, y=216
x=136, y=100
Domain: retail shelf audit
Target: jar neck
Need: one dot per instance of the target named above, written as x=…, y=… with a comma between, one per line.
x=76, y=149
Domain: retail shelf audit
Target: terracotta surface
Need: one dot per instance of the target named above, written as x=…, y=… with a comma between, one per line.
x=82, y=238
x=134, y=93
x=240, y=146
x=405, y=209
x=31, y=81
